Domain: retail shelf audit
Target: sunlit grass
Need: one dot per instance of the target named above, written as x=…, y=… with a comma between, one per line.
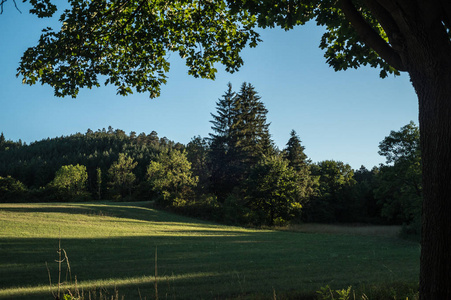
x=113, y=245
x=100, y=221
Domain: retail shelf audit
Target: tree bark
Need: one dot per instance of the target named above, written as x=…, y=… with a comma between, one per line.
x=431, y=77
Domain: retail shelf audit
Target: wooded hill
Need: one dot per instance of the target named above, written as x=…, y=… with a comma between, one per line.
x=236, y=175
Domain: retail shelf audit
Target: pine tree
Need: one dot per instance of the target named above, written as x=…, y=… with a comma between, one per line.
x=253, y=140
x=240, y=140
x=294, y=152
x=197, y=154
x=222, y=145
x=298, y=160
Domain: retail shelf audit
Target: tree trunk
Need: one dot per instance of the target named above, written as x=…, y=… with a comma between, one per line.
x=431, y=79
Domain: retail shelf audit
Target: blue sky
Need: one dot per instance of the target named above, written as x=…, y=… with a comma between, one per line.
x=338, y=115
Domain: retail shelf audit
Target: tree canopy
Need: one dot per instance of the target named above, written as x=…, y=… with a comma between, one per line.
x=126, y=43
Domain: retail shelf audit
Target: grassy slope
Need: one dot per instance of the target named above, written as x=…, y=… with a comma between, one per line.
x=111, y=244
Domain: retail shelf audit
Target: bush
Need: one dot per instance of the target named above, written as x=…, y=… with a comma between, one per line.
x=12, y=190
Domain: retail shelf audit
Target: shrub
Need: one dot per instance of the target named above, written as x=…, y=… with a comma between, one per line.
x=12, y=190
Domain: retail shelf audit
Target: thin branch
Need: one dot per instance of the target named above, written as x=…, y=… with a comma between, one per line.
x=15, y=4
x=50, y=280
x=370, y=37
x=4, y=1
x=1, y=6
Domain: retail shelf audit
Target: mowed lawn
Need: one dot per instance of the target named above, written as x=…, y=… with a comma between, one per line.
x=112, y=245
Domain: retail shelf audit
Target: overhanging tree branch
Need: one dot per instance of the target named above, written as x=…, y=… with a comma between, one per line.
x=387, y=22
x=370, y=37
x=3, y=2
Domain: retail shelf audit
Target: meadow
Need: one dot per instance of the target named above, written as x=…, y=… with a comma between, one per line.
x=112, y=246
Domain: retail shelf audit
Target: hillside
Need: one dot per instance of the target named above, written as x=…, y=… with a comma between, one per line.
x=35, y=164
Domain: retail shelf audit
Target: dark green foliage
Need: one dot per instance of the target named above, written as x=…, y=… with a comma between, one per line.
x=250, y=131
x=402, y=145
x=366, y=208
x=399, y=190
x=197, y=151
x=298, y=160
x=275, y=192
x=332, y=199
x=249, y=184
x=12, y=190
x=294, y=153
x=117, y=42
x=222, y=155
x=128, y=44
x=8, y=144
x=35, y=164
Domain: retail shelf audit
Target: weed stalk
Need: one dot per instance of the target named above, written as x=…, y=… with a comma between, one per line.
x=156, y=273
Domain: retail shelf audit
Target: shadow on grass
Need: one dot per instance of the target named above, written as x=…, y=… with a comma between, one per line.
x=195, y=267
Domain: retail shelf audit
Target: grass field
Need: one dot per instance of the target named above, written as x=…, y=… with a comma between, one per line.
x=113, y=245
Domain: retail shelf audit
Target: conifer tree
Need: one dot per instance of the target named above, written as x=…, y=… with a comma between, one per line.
x=240, y=140
x=197, y=154
x=298, y=160
x=222, y=145
x=252, y=130
x=294, y=152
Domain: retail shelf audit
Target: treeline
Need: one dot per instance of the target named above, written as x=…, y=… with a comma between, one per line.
x=236, y=175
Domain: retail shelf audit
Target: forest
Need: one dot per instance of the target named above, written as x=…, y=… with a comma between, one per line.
x=236, y=175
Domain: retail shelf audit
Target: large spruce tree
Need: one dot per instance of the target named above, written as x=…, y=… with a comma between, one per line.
x=251, y=129
x=241, y=138
x=221, y=145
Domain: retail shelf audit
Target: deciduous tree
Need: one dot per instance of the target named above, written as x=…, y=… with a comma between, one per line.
x=171, y=178
x=399, y=182
x=70, y=182
x=332, y=199
x=12, y=190
x=275, y=192
x=121, y=176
